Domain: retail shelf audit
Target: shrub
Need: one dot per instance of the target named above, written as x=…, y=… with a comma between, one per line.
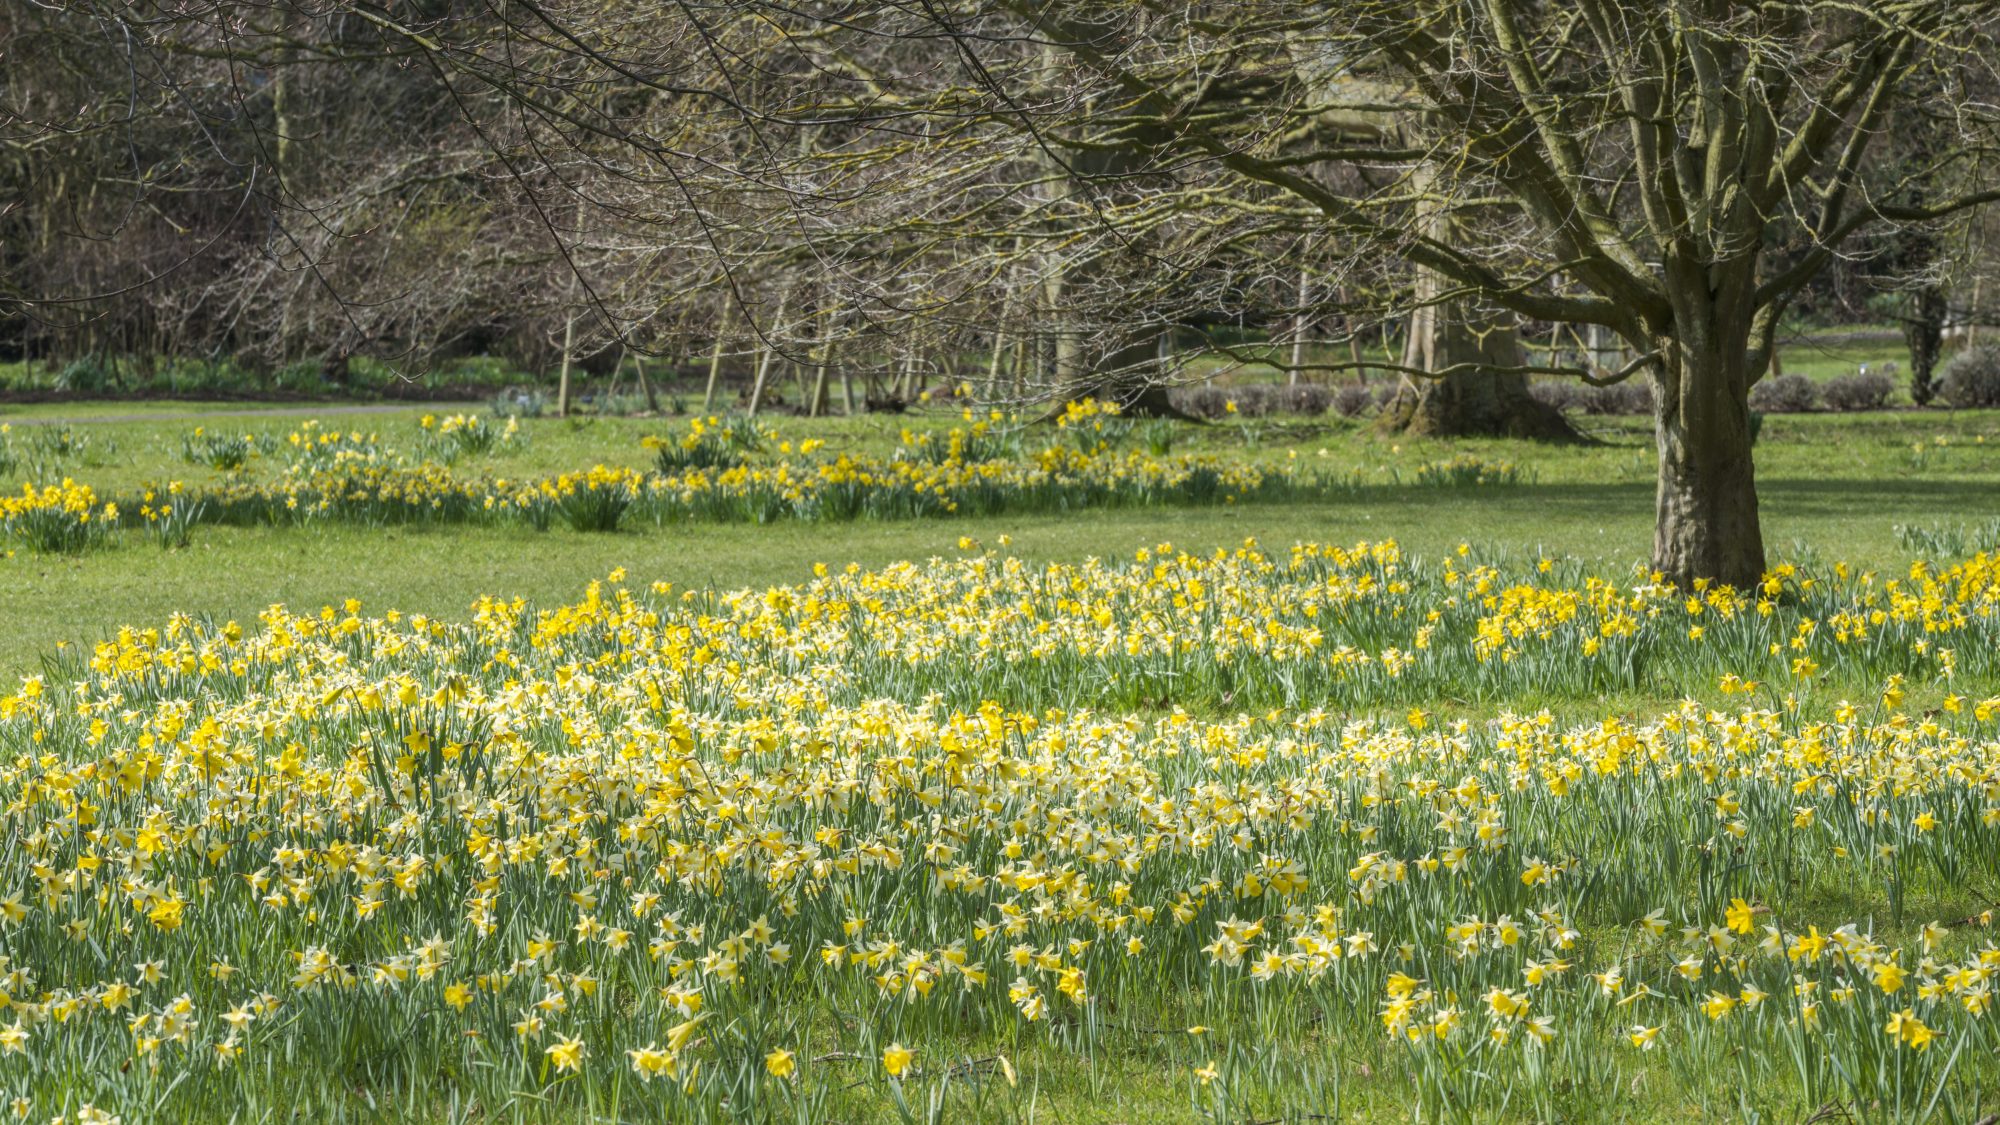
x=1305, y=398
x=1972, y=378
x=1785, y=394
x=1352, y=401
x=1214, y=402
x=1563, y=394
x=84, y=376
x=1869, y=391
x=299, y=375
x=516, y=402
x=1633, y=396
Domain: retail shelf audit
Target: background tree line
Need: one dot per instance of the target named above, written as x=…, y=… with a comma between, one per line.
x=1048, y=199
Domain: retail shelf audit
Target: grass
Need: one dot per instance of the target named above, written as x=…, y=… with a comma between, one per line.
x=1834, y=487
x=969, y=715
x=1821, y=353
x=827, y=764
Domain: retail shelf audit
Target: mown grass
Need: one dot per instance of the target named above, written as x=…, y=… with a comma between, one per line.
x=289, y=697
x=1834, y=487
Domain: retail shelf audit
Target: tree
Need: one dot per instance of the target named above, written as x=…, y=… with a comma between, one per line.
x=1618, y=163
x=1072, y=178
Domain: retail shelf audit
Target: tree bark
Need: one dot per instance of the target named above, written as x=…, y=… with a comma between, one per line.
x=767, y=354
x=1129, y=375
x=645, y=384
x=562, y=384
x=715, y=359
x=816, y=398
x=1299, y=323
x=1445, y=335
x=1706, y=526
x=1923, y=332
x=1479, y=403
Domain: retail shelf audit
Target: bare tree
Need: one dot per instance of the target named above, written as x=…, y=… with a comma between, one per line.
x=1043, y=188
x=1610, y=162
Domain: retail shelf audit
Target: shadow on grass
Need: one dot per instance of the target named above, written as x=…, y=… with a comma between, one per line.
x=1898, y=498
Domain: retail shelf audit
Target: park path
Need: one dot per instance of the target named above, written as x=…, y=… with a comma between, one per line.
x=317, y=410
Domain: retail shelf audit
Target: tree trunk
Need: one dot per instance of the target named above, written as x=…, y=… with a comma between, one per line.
x=816, y=398
x=1923, y=331
x=1097, y=353
x=1445, y=335
x=1972, y=323
x=1128, y=376
x=1706, y=518
x=767, y=354
x=562, y=384
x=1489, y=403
x=1299, y=323
x=715, y=359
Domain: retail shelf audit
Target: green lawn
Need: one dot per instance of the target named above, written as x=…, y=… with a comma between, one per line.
x=1834, y=487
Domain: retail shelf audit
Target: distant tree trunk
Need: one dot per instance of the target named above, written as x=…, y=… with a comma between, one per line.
x=1923, y=332
x=816, y=399
x=715, y=361
x=1972, y=325
x=1299, y=331
x=1129, y=375
x=1707, y=525
x=281, y=128
x=1607, y=353
x=765, y=357
x=999, y=353
x=1025, y=347
x=562, y=384
x=645, y=384
x=1111, y=363
x=1445, y=335
x=1470, y=403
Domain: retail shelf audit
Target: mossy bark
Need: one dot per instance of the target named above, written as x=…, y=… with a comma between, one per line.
x=1488, y=400
x=1475, y=388
x=1706, y=522
x=1129, y=376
